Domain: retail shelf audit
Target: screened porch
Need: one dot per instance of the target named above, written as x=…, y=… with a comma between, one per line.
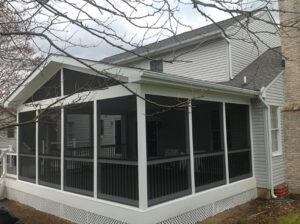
x=127, y=150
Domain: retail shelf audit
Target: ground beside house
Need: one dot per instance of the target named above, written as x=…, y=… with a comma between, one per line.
x=258, y=211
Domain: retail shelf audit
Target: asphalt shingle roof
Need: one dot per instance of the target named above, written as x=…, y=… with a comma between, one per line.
x=260, y=72
x=175, y=39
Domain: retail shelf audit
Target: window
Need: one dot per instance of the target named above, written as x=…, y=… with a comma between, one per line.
x=11, y=132
x=275, y=130
x=27, y=147
x=49, y=147
x=75, y=82
x=156, y=66
x=51, y=89
x=238, y=141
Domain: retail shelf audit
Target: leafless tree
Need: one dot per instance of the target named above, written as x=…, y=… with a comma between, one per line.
x=57, y=26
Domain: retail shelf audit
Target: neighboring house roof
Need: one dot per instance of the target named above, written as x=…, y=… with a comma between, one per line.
x=260, y=72
x=177, y=39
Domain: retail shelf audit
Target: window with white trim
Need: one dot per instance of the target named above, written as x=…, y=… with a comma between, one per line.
x=275, y=130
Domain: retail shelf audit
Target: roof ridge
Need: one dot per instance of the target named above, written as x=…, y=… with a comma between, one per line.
x=175, y=38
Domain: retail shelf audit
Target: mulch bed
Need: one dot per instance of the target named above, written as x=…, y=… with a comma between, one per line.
x=258, y=211
x=29, y=215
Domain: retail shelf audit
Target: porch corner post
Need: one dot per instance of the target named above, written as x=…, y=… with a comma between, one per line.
x=62, y=146
x=36, y=149
x=225, y=144
x=95, y=149
x=17, y=147
x=142, y=152
x=191, y=148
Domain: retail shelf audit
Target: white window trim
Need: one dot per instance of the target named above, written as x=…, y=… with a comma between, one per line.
x=279, y=139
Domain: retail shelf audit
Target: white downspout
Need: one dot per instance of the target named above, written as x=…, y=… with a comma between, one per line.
x=229, y=57
x=269, y=145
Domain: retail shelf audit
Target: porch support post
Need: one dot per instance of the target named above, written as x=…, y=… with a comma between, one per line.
x=62, y=146
x=36, y=148
x=142, y=152
x=251, y=139
x=225, y=144
x=95, y=149
x=191, y=148
x=17, y=148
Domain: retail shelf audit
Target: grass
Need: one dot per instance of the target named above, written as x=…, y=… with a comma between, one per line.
x=290, y=219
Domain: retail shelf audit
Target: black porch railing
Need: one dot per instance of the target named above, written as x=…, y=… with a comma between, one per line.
x=118, y=181
x=209, y=170
x=49, y=170
x=240, y=165
x=168, y=179
x=79, y=175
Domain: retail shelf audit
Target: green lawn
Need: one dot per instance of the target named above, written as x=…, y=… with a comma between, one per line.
x=290, y=219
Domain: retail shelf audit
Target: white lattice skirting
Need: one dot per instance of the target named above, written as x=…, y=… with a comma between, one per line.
x=85, y=217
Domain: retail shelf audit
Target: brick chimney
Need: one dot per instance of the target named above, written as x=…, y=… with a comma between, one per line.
x=290, y=42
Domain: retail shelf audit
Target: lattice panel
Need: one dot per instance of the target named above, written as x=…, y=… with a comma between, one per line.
x=93, y=218
x=191, y=217
x=204, y=212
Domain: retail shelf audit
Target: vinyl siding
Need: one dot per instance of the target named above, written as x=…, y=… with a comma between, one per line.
x=275, y=96
x=207, y=61
x=244, y=53
x=258, y=139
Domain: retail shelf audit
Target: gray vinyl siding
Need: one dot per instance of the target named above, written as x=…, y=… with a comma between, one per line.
x=275, y=96
x=258, y=140
x=4, y=140
x=244, y=53
x=207, y=61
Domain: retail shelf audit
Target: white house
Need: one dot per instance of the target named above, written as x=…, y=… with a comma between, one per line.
x=106, y=155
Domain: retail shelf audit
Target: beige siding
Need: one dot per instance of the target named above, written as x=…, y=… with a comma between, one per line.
x=208, y=61
x=4, y=140
x=275, y=96
x=259, y=136
x=244, y=53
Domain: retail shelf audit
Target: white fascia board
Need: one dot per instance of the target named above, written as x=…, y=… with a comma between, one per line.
x=53, y=63
x=176, y=81
x=131, y=74
x=172, y=47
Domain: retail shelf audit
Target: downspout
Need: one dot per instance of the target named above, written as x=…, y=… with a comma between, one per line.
x=269, y=144
x=229, y=57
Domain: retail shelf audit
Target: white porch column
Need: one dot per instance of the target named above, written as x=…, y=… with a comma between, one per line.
x=95, y=149
x=17, y=148
x=36, y=149
x=62, y=146
x=191, y=148
x=225, y=143
x=142, y=153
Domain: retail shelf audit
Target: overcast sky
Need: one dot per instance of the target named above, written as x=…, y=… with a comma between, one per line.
x=99, y=49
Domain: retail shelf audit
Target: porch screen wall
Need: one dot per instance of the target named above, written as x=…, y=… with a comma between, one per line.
x=52, y=88
x=238, y=140
x=117, y=150
x=75, y=82
x=208, y=141
x=167, y=149
x=27, y=147
x=78, y=154
x=49, y=147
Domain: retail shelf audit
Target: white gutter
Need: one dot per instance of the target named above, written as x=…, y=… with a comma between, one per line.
x=269, y=145
x=179, y=81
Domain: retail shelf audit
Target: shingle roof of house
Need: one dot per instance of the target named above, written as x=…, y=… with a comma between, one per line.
x=260, y=72
x=202, y=31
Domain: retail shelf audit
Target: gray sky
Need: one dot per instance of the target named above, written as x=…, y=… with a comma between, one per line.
x=99, y=49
